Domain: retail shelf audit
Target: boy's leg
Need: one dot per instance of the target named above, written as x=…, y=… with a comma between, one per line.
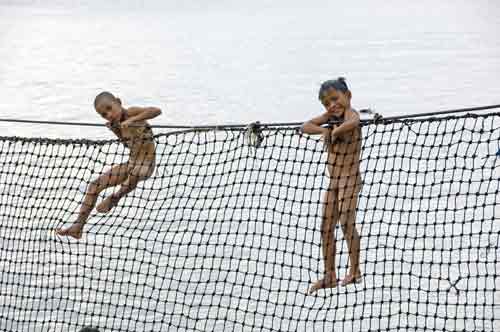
x=330, y=218
x=348, y=199
x=136, y=174
x=116, y=175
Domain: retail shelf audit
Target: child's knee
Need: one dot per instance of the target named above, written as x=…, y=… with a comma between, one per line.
x=328, y=210
x=347, y=221
x=142, y=172
x=94, y=187
x=326, y=226
x=346, y=227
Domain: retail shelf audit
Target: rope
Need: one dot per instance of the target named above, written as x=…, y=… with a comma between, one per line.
x=240, y=126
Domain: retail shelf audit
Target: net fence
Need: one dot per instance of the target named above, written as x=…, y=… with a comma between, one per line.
x=225, y=235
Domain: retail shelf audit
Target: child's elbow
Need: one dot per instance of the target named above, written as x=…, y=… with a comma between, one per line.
x=156, y=111
x=303, y=128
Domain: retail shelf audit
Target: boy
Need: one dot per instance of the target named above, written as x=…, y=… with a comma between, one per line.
x=130, y=127
x=343, y=142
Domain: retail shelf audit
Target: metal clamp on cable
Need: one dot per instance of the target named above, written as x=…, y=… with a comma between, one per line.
x=253, y=134
x=376, y=116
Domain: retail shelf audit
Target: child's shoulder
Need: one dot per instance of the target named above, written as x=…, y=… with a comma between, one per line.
x=133, y=110
x=351, y=113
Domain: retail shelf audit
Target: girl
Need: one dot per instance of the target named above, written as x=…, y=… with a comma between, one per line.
x=342, y=140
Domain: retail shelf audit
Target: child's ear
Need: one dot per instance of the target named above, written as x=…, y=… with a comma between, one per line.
x=348, y=94
x=118, y=100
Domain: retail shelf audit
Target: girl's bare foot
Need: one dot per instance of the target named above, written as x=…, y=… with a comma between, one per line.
x=74, y=231
x=329, y=281
x=351, y=278
x=107, y=204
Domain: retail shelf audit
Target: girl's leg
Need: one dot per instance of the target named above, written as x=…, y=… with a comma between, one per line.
x=116, y=175
x=330, y=218
x=348, y=204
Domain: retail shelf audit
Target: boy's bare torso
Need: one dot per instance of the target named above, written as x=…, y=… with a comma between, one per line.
x=139, y=139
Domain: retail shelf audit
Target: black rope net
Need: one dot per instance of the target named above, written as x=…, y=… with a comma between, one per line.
x=225, y=235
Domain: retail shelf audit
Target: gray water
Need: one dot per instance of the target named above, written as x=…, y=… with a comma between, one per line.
x=241, y=61
x=238, y=62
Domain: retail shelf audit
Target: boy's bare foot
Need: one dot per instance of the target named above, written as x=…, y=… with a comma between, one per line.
x=107, y=204
x=351, y=278
x=329, y=281
x=74, y=231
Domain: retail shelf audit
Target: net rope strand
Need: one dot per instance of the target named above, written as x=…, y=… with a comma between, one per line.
x=225, y=235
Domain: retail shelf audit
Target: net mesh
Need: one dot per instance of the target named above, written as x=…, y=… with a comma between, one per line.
x=226, y=235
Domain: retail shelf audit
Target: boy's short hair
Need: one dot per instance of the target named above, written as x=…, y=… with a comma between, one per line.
x=104, y=94
x=339, y=84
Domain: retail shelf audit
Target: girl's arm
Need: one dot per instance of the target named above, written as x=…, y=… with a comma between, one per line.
x=351, y=122
x=141, y=113
x=313, y=126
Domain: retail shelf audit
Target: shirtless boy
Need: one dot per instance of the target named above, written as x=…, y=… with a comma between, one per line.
x=130, y=126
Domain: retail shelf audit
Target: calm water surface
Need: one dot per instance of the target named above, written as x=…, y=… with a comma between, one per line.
x=235, y=62
x=229, y=62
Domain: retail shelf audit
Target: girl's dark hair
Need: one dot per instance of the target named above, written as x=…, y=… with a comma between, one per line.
x=104, y=94
x=339, y=84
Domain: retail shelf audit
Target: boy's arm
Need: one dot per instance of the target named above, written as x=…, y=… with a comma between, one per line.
x=114, y=129
x=141, y=113
x=351, y=122
x=313, y=126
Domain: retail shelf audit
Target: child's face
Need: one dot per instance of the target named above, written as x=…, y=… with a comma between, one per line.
x=336, y=102
x=109, y=109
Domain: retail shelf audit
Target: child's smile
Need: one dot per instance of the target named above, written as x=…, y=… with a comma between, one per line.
x=335, y=102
